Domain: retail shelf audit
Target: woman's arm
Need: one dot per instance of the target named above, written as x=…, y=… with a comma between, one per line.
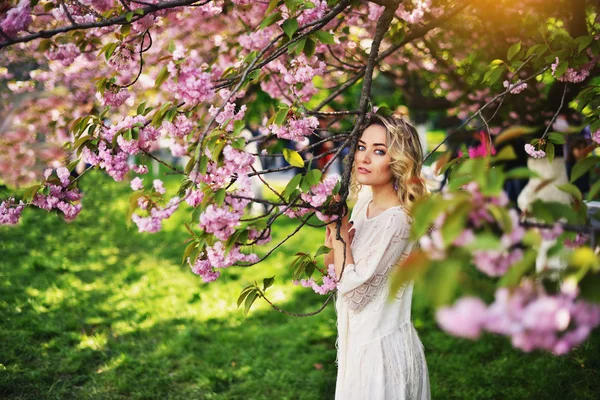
x=339, y=248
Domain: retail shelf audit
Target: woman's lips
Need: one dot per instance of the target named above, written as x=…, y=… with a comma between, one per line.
x=363, y=170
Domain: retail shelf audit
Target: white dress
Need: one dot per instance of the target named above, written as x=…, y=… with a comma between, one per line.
x=380, y=356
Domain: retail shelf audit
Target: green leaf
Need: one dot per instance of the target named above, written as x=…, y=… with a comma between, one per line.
x=514, y=274
x=313, y=177
x=245, y=292
x=109, y=49
x=513, y=50
x=30, y=192
x=291, y=186
x=556, y=138
x=594, y=190
x=506, y=153
x=571, y=189
x=44, y=45
x=220, y=196
x=203, y=164
x=267, y=282
x=538, y=49
x=322, y=250
x=521, y=173
x=250, y=300
x=309, y=47
x=141, y=108
x=561, y=69
x=454, y=224
x=161, y=77
x=442, y=281
x=293, y=158
x=583, y=166
x=281, y=116
x=139, y=11
x=190, y=164
x=290, y=27
x=550, y=151
x=583, y=42
x=270, y=20
x=495, y=75
x=589, y=287
x=188, y=251
x=129, y=16
x=409, y=269
x=272, y=5
x=324, y=37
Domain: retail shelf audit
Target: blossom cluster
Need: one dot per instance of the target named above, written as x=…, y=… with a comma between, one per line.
x=533, y=318
x=216, y=257
x=60, y=197
x=492, y=262
x=515, y=88
x=295, y=128
x=66, y=53
x=227, y=115
x=417, y=14
x=530, y=149
x=329, y=282
x=573, y=75
x=319, y=193
x=153, y=222
x=191, y=85
x=10, y=213
x=17, y=19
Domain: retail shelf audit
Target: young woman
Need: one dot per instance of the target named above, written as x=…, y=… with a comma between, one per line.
x=380, y=356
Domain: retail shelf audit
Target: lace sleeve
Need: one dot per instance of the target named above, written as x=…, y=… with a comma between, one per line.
x=380, y=252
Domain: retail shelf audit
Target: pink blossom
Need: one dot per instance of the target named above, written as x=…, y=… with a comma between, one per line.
x=17, y=19
x=465, y=319
x=192, y=86
x=9, y=214
x=515, y=88
x=137, y=183
x=114, y=99
x=158, y=186
x=572, y=75
x=60, y=198
x=227, y=115
x=153, y=222
x=375, y=11
x=218, y=259
x=596, y=136
x=295, y=129
x=194, y=197
x=63, y=175
x=529, y=149
x=140, y=169
x=319, y=193
x=204, y=268
x=128, y=146
x=329, y=282
x=417, y=14
x=221, y=222
x=66, y=54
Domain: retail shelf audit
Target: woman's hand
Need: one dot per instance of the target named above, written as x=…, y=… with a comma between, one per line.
x=346, y=233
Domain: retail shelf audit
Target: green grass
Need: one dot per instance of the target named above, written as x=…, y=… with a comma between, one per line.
x=94, y=309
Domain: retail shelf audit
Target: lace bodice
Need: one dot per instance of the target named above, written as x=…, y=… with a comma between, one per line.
x=379, y=244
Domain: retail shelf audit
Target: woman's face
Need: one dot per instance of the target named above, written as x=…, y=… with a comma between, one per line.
x=371, y=161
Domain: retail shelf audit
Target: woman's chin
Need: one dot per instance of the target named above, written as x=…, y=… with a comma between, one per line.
x=361, y=180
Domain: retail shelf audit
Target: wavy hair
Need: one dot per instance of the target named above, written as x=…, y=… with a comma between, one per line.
x=404, y=147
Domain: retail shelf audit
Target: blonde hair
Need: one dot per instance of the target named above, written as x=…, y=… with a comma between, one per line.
x=404, y=147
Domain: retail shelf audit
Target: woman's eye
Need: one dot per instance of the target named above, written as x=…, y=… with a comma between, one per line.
x=361, y=147
x=380, y=152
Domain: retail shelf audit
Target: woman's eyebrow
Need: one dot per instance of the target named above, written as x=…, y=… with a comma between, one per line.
x=374, y=144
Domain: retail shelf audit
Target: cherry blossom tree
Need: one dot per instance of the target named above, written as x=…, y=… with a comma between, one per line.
x=103, y=82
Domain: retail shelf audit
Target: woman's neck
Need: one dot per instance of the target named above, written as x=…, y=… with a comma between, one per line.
x=384, y=196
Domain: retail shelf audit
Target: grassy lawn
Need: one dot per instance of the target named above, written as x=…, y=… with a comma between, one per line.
x=94, y=309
